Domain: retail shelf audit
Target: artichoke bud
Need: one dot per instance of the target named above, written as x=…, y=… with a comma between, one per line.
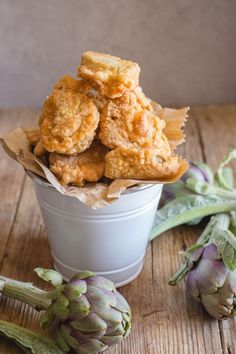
x=199, y=171
x=89, y=313
x=212, y=283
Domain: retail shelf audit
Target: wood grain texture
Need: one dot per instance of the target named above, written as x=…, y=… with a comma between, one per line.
x=165, y=320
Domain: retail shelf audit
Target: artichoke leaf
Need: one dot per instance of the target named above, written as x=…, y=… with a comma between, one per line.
x=225, y=242
x=29, y=341
x=50, y=276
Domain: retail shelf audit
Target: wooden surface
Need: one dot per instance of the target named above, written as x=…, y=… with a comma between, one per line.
x=165, y=320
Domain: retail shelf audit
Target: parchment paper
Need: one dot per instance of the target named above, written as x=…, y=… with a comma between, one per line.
x=95, y=195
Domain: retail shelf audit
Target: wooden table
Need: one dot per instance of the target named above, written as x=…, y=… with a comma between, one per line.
x=165, y=320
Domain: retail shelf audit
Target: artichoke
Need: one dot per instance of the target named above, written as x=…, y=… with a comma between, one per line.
x=88, y=313
x=212, y=283
x=198, y=171
x=210, y=268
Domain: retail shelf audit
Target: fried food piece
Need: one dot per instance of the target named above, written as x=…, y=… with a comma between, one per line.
x=99, y=100
x=68, y=122
x=68, y=83
x=111, y=75
x=39, y=149
x=86, y=166
x=144, y=164
x=144, y=101
x=124, y=122
x=33, y=135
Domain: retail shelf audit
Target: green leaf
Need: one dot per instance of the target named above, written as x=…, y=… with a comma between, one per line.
x=50, y=275
x=29, y=341
x=61, y=342
x=66, y=335
x=222, y=174
x=184, y=209
x=201, y=187
x=46, y=318
x=225, y=242
x=228, y=175
x=80, y=308
x=60, y=308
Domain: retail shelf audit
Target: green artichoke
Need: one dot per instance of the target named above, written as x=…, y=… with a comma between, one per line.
x=210, y=268
x=88, y=313
x=212, y=284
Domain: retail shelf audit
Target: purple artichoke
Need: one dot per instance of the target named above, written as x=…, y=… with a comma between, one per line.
x=212, y=283
x=198, y=171
x=88, y=313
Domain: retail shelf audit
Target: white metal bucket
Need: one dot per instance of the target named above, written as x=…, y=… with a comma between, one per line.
x=110, y=241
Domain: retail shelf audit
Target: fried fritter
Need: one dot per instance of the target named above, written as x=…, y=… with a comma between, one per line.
x=68, y=122
x=68, y=83
x=86, y=166
x=111, y=75
x=144, y=164
x=39, y=149
x=125, y=122
x=143, y=100
x=33, y=135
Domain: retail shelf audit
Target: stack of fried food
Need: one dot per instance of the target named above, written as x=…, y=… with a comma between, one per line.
x=102, y=124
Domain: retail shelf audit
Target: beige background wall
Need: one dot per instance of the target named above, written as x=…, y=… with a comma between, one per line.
x=186, y=48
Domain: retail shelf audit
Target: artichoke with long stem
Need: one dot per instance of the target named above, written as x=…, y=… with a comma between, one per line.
x=88, y=313
x=210, y=268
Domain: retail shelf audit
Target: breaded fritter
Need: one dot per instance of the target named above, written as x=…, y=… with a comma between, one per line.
x=68, y=122
x=124, y=122
x=111, y=75
x=33, y=135
x=68, y=83
x=86, y=166
x=144, y=164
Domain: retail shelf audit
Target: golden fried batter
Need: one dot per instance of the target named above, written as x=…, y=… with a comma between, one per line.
x=86, y=166
x=68, y=122
x=124, y=122
x=144, y=164
x=111, y=75
x=68, y=83
x=33, y=135
x=39, y=149
x=143, y=100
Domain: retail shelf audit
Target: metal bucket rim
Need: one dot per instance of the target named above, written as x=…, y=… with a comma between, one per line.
x=44, y=183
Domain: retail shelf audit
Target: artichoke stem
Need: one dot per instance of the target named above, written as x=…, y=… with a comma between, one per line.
x=25, y=292
x=180, y=274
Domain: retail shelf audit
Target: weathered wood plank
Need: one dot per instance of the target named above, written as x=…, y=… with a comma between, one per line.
x=218, y=129
x=12, y=181
x=27, y=248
